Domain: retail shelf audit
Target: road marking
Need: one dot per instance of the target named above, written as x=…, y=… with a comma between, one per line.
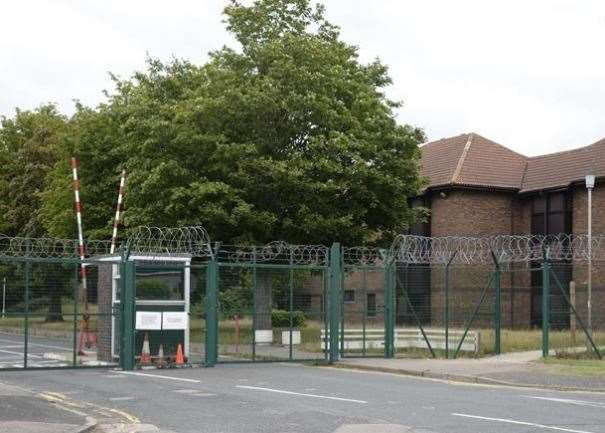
x=512, y=421
x=159, y=376
x=121, y=398
x=29, y=355
x=194, y=392
x=30, y=343
x=280, y=391
x=569, y=401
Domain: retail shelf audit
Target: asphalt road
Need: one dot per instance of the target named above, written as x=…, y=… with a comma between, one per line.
x=12, y=347
x=280, y=398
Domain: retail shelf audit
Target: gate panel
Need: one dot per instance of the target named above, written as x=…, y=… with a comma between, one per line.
x=271, y=312
x=364, y=303
x=50, y=319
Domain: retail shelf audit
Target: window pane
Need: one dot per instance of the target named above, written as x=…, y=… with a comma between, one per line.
x=556, y=223
x=557, y=202
x=160, y=283
x=371, y=304
x=349, y=296
x=539, y=205
x=537, y=224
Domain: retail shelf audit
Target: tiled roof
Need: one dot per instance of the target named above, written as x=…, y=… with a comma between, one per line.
x=562, y=168
x=474, y=161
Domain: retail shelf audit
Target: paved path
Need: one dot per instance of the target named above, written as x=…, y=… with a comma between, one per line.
x=288, y=398
x=22, y=411
x=520, y=368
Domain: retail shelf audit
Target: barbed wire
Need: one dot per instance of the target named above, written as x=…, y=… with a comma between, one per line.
x=364, y=256
x=192, y=241
x=45, y=248
x=275, y=252
x=507, y=249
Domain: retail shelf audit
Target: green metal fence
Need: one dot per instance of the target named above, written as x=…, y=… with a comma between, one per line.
x=214, y=303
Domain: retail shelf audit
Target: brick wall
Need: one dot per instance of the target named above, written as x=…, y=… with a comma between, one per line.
x=580, y=269
x=105, y=311
x=472, y=213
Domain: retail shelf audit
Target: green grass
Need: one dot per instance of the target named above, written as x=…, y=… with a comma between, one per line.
x=576, y=367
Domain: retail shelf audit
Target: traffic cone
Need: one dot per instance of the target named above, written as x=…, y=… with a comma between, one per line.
x=161, y=360
x=145, y=353
x=179, y=355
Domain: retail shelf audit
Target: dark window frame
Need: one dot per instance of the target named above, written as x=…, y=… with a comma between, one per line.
x=346, y=299
x=371, y=311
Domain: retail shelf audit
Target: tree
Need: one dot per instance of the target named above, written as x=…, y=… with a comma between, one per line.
x=29, y=147
x=290, y=137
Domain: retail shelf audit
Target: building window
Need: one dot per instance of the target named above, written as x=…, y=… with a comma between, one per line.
x=551, y=214
x=420, y=228
x=349, y=296
x=371, y=304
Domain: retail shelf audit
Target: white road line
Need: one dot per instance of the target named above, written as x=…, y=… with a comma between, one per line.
x=569, y=401
x=158, y=376
x=121, y=398
x=30, y=343
x=279, y=391
x=29, y=355
x=512, y=421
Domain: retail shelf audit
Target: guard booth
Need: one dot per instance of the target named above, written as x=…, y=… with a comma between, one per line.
x=162, y=305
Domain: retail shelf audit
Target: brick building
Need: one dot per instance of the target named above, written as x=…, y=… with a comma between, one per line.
x=477, y=187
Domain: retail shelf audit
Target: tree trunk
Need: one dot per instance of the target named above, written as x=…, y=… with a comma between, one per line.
x=55, y=309
x=264, y=299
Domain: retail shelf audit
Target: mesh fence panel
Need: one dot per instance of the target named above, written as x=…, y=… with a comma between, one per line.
x=271, y=313
x=50, y=319
x=363, y=312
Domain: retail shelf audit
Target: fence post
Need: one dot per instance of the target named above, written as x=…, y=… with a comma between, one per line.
x=211, y=312
x=128, y=307
x=497, y=307
x=572, y=316
x=446, y=312
x=545, y=306
x=335, y=299
x=389, y=310
x=27, y=312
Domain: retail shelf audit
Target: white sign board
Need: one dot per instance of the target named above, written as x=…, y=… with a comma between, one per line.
x=175, y=320
x=149, y=320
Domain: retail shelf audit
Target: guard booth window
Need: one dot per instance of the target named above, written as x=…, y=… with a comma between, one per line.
x=160, y=283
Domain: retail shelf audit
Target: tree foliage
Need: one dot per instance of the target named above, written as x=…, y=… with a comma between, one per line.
x=288, y=136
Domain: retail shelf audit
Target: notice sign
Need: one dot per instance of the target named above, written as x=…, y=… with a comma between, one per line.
x=149, y=320
x=175, y=320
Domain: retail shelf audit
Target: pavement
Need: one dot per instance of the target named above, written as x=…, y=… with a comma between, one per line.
x=521, y=369
x=295, y=398
x=24, y=411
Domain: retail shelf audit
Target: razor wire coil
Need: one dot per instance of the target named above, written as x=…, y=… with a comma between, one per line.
x=504, y=248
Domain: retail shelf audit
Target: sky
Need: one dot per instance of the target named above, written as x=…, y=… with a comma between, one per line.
x=527, y=74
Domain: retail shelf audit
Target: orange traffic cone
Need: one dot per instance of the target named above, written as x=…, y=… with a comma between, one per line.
x=161, y=360
x=179, y=355
x=145, y=353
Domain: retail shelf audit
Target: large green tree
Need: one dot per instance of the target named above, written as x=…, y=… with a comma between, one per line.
x=288, y=137
x=30, y=145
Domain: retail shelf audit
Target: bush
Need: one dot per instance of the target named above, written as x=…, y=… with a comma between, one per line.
x=281, y=319
x=153, y=288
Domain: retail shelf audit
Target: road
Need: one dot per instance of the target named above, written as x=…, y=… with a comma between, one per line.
x=280, y=398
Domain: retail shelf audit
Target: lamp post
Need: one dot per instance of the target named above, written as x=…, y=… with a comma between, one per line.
x=590, y=179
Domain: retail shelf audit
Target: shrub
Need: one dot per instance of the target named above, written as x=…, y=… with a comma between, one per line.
x=281, y=319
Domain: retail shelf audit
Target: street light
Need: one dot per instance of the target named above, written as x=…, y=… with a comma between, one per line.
x=590, y=179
